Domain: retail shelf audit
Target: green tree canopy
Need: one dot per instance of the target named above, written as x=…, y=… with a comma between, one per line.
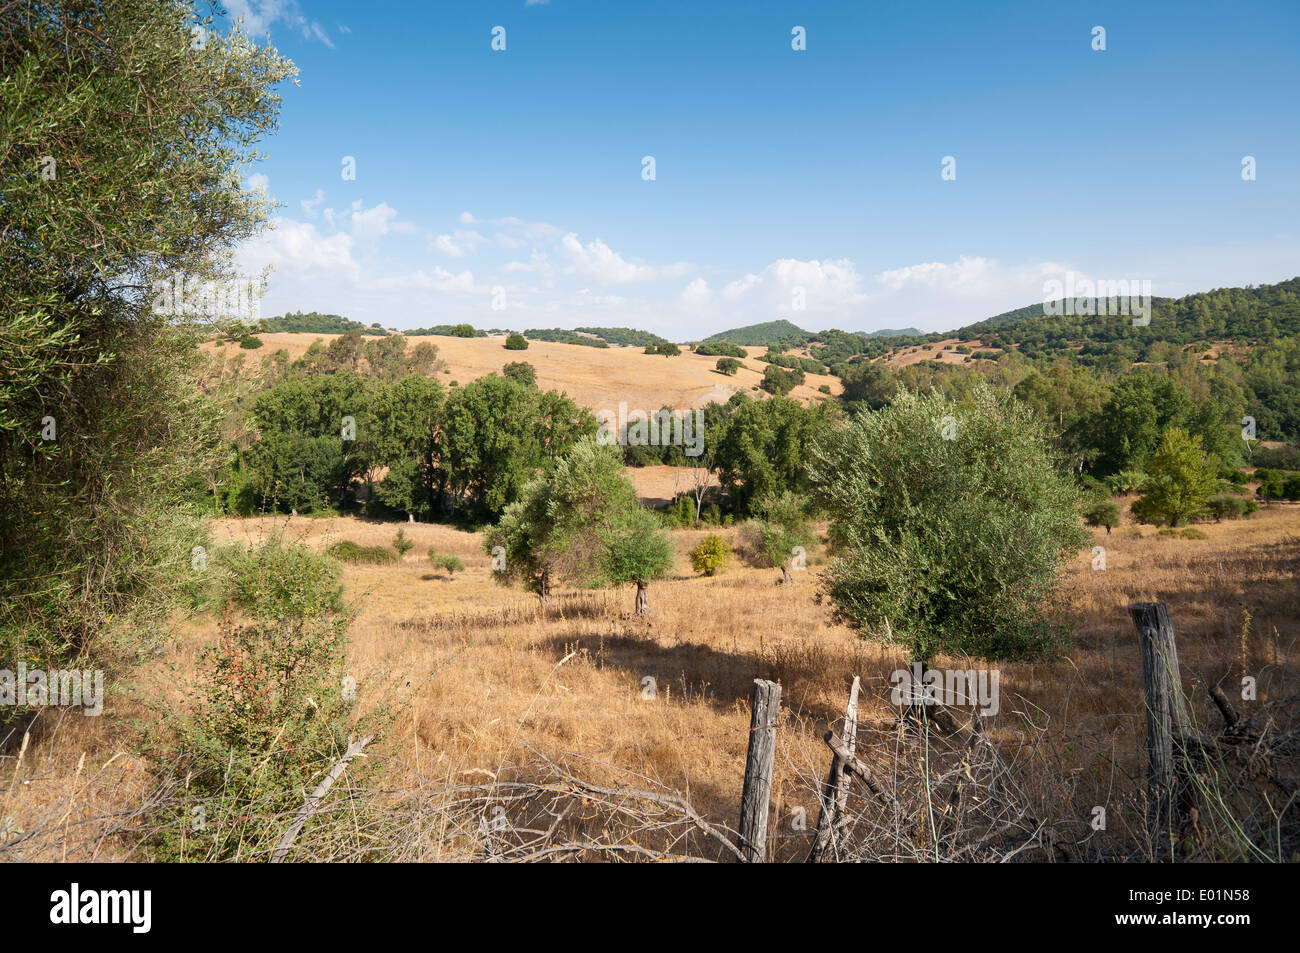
x=1181, y=478
x=582, y=523
x=952, y=522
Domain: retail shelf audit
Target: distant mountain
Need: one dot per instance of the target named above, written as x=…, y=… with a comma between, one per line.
x=892, y=333
x=769, y=332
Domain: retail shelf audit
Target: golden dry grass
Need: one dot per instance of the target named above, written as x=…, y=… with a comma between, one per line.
x=481, y=676
x=598, y=378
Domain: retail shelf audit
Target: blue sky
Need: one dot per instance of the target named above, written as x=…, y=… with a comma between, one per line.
x=782, y=177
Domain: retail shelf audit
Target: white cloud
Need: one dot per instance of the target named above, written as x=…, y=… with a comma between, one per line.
x=309, y=206
x=297, y=248
x=599, y=262
x=459, y=243
x=696, y=297
x=258, y=182
x=788, y=284
x=370, y=224
x=258, y=15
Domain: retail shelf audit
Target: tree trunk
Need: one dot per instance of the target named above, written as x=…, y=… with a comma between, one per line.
x=642, y=598
x=544, y=589
x=787, y=575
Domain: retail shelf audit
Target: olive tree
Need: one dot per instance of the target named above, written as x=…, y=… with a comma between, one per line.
x=125, y=148
x=951, y=524
x=584, y=524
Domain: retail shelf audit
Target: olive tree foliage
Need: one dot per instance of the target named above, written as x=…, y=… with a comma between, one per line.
x=780, y=532
x=951, y=523
x=581, y=523
x=122, y=146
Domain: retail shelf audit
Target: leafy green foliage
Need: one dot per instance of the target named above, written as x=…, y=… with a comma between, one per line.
x=1101, y=512
x=497, y=433
x=1180, y=479
x=450, y=331
x=521, y=371
x=947, y=545
x=402, y=543
x=448, y=563
x=768, y=332
x=309, y=322
x=728, y=365
x=516, y=342
x=762, y=447
x=1226, y=507
x=345, y=550
x=564, y=336
x=720, y=349
x=583, y=523
x=98, y=202
x=269, y=714
x=780, y=529
x=711, y=555
x=778, y=381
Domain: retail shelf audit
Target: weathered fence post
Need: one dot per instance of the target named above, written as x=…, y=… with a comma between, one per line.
x=765, y=710
x=835, y=793
x=1168, y=719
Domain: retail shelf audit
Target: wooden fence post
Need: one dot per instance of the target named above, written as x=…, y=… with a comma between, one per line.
x=765, y=710
x=1167, y=715
x=835, y=793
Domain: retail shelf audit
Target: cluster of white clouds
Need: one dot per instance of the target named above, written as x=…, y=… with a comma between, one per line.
x=258, y=16
x=371, y=264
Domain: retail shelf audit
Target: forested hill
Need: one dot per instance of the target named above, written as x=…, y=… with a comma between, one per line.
x=1254, y=314
x=313, y=322
x=769, y=332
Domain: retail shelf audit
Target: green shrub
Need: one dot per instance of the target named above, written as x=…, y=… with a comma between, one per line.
x=720, y=349
x=516, y=342
x=728, y=366
x=521, y=371
x=1230, y=507
x=780, y=533
x=1180, y=479
x=281, y=580
x=1102, y=512
x=711, y=555
x=451, y=564
x=779, y=381
x=250, y=343
x=349, y=552
x=402, y=543
x=270, y=713
x=1126, y=481
x=680, y=512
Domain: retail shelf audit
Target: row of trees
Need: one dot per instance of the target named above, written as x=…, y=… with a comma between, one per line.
x=320, y=435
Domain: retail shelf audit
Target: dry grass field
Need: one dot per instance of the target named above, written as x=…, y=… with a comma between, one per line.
x=480, y=677
x=598, y=378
